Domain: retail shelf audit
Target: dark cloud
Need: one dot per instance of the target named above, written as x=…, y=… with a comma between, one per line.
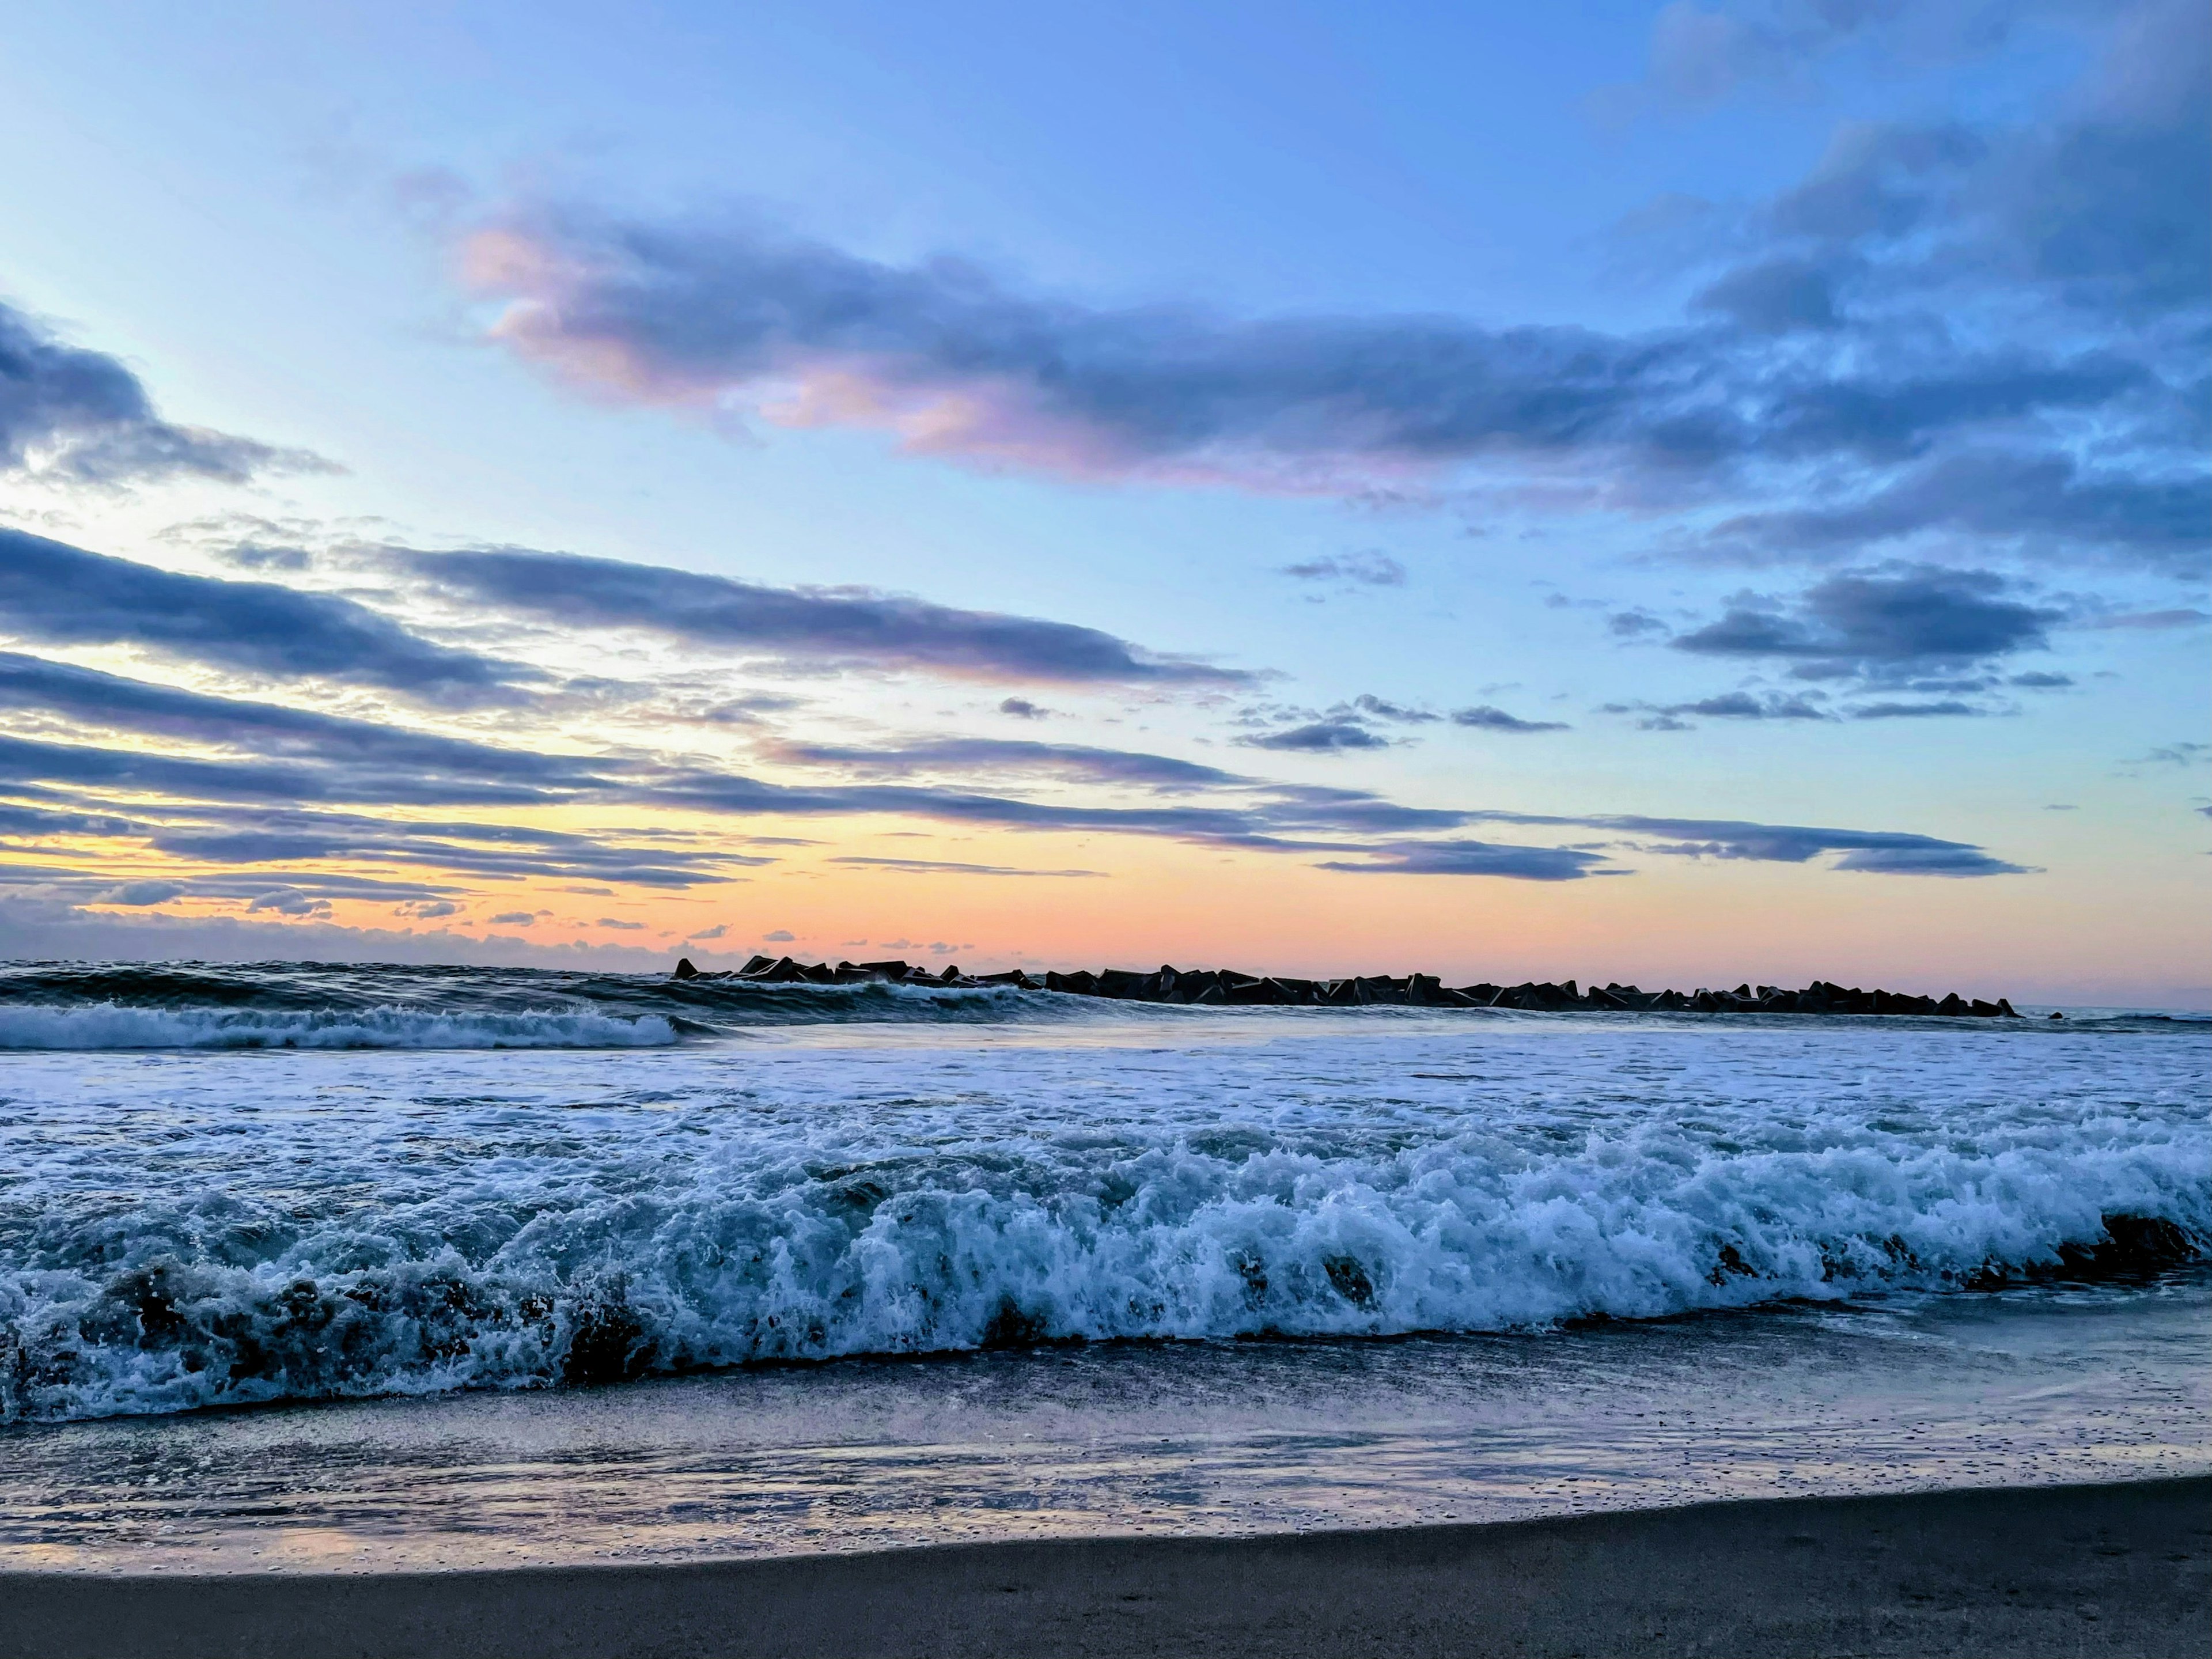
x=1634, y=625
x=1023, y=710
x=82, y=416
x=56, y=594
x=1879, y=624
x=2040, y=681
x=1943, y=709
x=1744, y=706
x=1375, y=707
x=859, y=625
x=135, y=894
x=1893, y=852
x=1775, y=298
x=1325, y=736
x=1484, y=717
x=1474, y=858
x=2184, y=753
x=2030, y=504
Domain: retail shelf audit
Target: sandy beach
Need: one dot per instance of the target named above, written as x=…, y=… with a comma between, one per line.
x=2110, y=1569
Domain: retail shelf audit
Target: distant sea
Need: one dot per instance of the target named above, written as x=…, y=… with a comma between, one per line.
x=343, y=1266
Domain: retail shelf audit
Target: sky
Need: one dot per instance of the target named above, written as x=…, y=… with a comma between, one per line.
x=1682, y=494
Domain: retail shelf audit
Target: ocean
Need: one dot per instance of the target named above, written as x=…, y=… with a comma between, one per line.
x=344, y=1266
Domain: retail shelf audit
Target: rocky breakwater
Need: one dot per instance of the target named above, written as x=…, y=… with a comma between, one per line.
x=1225, y=987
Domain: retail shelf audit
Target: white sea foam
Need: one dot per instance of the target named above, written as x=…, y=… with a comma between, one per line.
x=184, y=1235
x=112, y=1025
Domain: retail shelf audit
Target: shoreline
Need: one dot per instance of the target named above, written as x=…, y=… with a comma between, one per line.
x=2121, y=1568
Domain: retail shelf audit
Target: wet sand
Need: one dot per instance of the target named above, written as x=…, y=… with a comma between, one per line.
x=2115, y=1569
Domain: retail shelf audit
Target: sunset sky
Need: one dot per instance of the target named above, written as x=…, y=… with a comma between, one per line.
x=1683, y=494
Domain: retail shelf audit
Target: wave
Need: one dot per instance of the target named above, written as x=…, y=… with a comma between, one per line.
x=497, y=1279
x=304, y=1004
x=111, y=1025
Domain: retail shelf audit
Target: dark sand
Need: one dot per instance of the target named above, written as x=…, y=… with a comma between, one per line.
x=2045, y=1571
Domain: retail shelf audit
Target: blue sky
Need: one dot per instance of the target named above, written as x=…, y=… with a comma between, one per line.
x=1685, y=492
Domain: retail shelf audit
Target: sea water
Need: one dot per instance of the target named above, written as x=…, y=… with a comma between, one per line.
x=366, y=1265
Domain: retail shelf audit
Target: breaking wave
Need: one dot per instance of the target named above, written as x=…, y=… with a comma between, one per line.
x=512, y=1274
x=112, y=1025
x=317, y=1006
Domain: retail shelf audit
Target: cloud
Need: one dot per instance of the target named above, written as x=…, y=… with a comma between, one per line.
x=2176, y=754
x=1023, y=710
x=1743, y=706
x=1879, y=851
x=620, y=926
x=58, y=594
x=81, y=416
x=1474, y=858
x=1078, y=762
x=1634, y=625
x=935, y=866
x=1961, y=862
x=139, y=893
x=291, y=901
x=716, y=317
x=1896, y=711
x=1979, y=332
x=1326, y=737
x=1484, y=717
x=2049, y=504
x=859, y=625
x=2040, y=680
x=1878, y=624
x=2149, y=620
x=1366, y=569
x=1702, y=53
x=276, y=794
x=1377, y=707
x=298, y=755
x=780, y=936
x=1777, y=297
x=515, y=918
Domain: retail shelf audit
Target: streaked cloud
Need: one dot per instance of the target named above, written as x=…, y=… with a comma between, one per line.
x=855, y=624
x=72, y=415
x=56, y=594
x=1474, y=858
x=1484, y=717
x=1323, y=737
